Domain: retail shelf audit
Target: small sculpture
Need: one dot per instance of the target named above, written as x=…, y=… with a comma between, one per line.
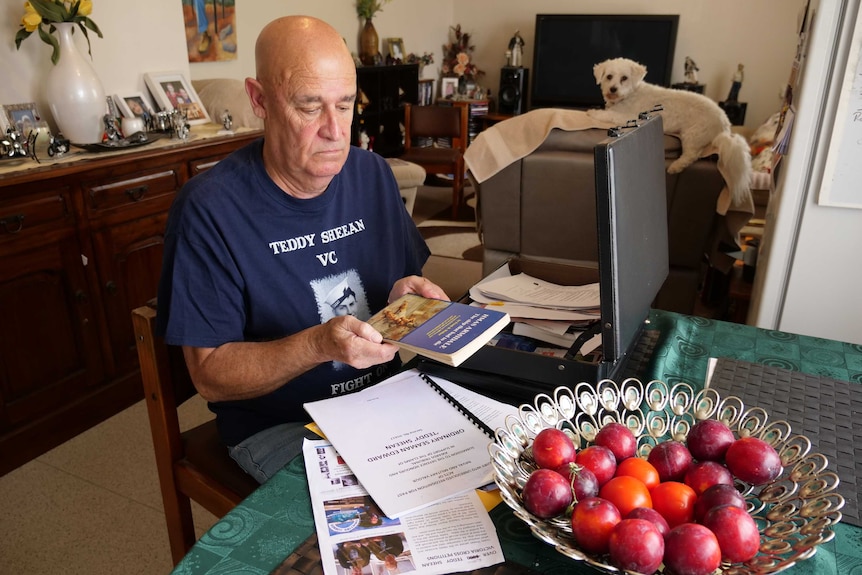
x=57, y=145
x=515, y=53
x=12, y=145
x=691, y=70
x=226, y=120
x=738, y=76
x=180, y=124
x=112, y=130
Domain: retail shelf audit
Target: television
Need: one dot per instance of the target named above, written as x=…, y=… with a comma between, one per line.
x=567, y=46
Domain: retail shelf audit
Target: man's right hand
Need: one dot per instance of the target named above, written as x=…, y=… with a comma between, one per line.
x=354, y=342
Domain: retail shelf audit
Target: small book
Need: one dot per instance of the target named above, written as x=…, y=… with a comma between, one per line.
x=446, y=331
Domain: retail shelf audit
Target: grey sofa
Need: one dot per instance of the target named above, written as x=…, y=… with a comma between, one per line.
x=543, y=206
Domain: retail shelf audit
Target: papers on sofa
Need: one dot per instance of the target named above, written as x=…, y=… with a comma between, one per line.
x=353, y=531
x=407, y=444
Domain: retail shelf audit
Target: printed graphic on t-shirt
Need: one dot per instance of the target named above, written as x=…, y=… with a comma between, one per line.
x=339, y=295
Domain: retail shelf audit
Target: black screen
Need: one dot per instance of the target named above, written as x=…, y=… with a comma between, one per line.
x=569, y=45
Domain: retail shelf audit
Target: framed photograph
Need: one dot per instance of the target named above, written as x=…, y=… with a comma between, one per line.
x=172, y=91
x=396, y=48
x=133, y=105
x=448, y=87
x=24, y=117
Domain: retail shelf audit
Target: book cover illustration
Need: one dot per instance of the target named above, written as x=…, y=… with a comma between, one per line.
x=436, y=326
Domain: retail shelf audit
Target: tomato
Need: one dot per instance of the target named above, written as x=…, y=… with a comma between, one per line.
x=639, y=469
x=626, y=493
x=674, y=501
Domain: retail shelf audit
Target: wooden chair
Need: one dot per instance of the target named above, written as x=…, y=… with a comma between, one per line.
x=193, y=464
x=435, y=122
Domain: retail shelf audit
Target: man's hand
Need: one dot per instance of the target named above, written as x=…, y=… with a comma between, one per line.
x=354, y=342
x=418, y=285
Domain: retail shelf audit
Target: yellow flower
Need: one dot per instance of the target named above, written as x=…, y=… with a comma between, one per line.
x=41, y=15
x=31, y=19
x=463, y=58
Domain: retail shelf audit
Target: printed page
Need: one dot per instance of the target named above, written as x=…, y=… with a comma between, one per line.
x=410, y=447
x=453, y=535
x=525, y=289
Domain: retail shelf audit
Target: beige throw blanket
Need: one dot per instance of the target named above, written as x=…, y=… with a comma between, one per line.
x=517, y=137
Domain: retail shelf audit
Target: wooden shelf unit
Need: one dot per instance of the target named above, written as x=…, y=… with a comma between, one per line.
x=81, y=240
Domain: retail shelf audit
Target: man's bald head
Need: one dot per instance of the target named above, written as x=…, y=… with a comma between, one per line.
x=291, y=44
x=305, y=92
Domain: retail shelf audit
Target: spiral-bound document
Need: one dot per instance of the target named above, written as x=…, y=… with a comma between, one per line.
x=412, y=440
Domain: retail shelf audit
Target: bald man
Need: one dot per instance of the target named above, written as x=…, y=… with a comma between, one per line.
x=255, y=245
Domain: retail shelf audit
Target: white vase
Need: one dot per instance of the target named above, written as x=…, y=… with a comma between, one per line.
x=74, y=92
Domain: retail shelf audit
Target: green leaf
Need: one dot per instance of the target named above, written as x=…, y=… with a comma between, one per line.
x=50, y=10
x=52, y=41
x=20, y=37
x=91, y=25
x=89, y=48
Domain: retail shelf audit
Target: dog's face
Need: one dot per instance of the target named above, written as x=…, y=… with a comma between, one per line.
x=618, y=78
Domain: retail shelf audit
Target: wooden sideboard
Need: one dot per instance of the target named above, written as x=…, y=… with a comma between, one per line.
x=81, y=245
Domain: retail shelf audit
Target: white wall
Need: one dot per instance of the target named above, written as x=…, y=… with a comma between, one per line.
x=149, y=37
x=761, y=34
x=717, y=35
x=809, y=272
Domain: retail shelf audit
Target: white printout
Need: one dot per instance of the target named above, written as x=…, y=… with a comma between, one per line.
x=407, y=445
x=523, y=288
x=453, y=535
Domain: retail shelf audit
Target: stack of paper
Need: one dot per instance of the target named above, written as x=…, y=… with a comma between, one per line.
x=541, y=310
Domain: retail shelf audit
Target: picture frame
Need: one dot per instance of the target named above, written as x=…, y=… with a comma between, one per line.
x=4, y=121
x=171, y=90
x=448, y=88
x=24, y=117
x=133, y=105
x=396, y=49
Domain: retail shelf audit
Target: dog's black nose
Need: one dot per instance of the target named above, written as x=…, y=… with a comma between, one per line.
x=613, y=90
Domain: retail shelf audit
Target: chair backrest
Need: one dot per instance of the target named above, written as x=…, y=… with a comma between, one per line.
x=436, y=122
x=193, y=464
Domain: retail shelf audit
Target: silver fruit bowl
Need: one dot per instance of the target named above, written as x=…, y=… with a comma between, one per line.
x=795, y=513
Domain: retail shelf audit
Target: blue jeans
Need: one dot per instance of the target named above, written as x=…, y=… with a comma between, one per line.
x=263, y=454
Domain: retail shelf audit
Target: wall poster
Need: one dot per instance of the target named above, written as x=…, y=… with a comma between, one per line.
x=210, y=29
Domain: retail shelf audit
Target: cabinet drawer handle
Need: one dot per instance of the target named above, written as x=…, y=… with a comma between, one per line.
x=111, y=287
x=13, y=224
x=137, y=193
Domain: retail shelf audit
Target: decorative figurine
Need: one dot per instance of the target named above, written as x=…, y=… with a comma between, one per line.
x=112, y=130
x=516, y=49
x=226, y=120
x=691, y=70
x=180, y=124
x=57, y=145
x=738, y=76
x=13, y=146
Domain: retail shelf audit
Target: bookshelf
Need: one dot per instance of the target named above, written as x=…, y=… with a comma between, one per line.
x=382, y=92
x=476, y=109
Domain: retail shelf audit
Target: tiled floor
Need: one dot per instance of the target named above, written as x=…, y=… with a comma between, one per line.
x=92, y=505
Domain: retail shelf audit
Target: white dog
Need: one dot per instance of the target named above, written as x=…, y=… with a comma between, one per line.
x=702, y=127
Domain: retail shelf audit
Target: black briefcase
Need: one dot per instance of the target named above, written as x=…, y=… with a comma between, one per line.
x=631, y=208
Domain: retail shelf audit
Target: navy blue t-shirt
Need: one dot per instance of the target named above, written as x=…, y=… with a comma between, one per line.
x=244, y=261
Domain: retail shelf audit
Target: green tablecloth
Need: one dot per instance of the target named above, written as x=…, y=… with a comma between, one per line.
x=256, y=536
